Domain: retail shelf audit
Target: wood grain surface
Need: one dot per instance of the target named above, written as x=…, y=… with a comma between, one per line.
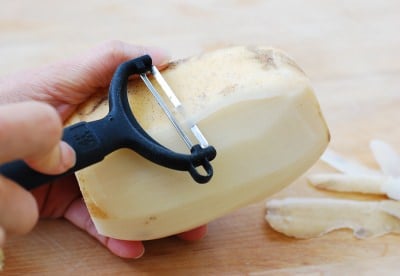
x=350, y=51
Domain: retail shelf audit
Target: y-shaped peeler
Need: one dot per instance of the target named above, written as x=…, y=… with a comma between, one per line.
x=92, y=141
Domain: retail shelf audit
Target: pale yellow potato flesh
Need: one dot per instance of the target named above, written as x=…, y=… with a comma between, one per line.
x=366, y=184
x=306, y=218
x=253, y=104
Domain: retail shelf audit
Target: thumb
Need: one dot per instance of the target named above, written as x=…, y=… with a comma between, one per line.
x=32, y=131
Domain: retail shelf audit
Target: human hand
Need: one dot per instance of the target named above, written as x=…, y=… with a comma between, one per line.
x=31, y=128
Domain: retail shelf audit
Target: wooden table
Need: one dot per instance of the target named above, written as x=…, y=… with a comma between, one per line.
x=349, y=49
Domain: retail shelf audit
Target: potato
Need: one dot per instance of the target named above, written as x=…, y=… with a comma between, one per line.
x=253, y=104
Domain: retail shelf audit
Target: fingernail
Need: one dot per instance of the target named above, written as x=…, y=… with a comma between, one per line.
x=195, y=234
x=68, y=156
x=140, y=254
x=126, y=249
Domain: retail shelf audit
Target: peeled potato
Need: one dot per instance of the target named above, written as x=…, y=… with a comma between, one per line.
x=253, y=104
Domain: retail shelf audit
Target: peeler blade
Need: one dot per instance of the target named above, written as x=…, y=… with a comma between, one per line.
x=178, y=108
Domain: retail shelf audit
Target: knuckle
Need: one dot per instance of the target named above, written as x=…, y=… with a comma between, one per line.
x=113, y=44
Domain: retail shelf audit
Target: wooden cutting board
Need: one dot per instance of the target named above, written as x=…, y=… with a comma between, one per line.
x=350, y=50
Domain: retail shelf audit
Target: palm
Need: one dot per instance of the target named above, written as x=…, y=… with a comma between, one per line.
x=55, y=199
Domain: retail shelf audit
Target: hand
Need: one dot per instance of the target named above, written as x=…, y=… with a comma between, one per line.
x=34, y=105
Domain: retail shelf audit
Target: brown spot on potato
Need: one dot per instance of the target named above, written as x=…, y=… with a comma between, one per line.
x=173, y=64
x=93, y=103
x=228, y=90
x=96, y=211
x=272, y=58
x=150, y=219
x=102, y=100
x=265, y=57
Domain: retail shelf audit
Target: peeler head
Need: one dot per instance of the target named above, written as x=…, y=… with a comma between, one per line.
x=133, y=136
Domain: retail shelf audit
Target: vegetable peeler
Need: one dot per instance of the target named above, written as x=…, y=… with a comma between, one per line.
x=94, y=140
